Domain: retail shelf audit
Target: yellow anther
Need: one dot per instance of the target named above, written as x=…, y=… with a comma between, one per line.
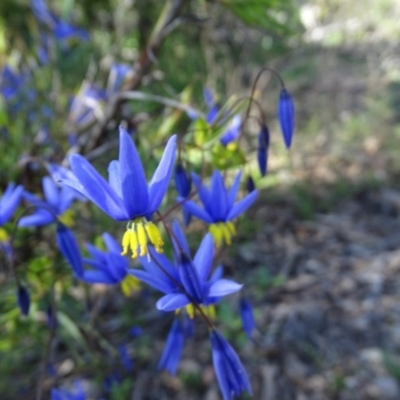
x=190, y=310
x=222, y=232
x=209, y=311
x=142, y=238
x=68, y=218
x=231, y=228
x=125, y=242
x=3, y=235
x=155, y=236
x=133, y=242
x=129, y=285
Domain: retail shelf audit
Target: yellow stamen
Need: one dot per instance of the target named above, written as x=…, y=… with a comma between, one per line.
x=190, y=310
x=222, y=232
x=68, y=218
x=209, y=311
x=139, y=233
x=129, y=285
x=155, y=236
x=3, y=235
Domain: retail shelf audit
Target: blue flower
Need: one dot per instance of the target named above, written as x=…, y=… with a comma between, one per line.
x=125, y=358
x=219, y=206
x=262, y=151
x=68, y=246
x=246, y=314
x=286, y=115
x=231, y=375
x=117, y=77
x=213, y=108
x=187, y=283
x=183, y=185
x=109, y=267
x=9, y=202
x=23, y=299
x=127, y=196
x=62, y=394
x=173, y=348
x=233, y=131
x=54, y=207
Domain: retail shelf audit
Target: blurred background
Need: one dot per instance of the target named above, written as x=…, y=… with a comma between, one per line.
x=320, y=251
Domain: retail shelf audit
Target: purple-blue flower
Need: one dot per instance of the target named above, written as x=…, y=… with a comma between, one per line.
x=55, y=205
x=78, y=393
x=219, y=205
x=262, y=151
x=127, y=196
x=9, y=202
x=183, y=185
x=246, y=314
x=109, y=267
x=69, y=248
x=231, y=375
x=23, y=299
x=118, y=73
x=286, y=116
x=173, y=348
x=233, y=131
x=187, y=282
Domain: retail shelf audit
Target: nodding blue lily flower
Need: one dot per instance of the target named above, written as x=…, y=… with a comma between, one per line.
x=110, y=267
x=9, y=202
x=183, y=185
x=246, y=314
x=118, y=73
x=68, y=246
x=23, y=299
x=286, y=115
x=127, y=196
x=219, y=206
x=262, y=151
x=62, y=394
x=233, y=131
x=250, y=185
x=231, y=375
x=173, y=348
x=54, y=208
x=188, y=283
x=125, y=358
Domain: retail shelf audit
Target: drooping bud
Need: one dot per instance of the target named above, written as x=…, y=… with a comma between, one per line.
x=286, y=116
x=262, y=151
x=246, y=314
x=250, y=185
x=68, y=246
x=23, y=299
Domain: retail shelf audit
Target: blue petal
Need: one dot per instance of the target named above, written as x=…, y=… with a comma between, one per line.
x=114, y=177
x=189, y=279
x=97, y=277
x=9, y=202
x=172, y=302
x=181, y=238
x=219, y=206
x=67, y=196
x=51, y=192
x=286, y=115
x=111, y=243
x=117, y=266
x=23, y=299
x=40, y=218
x=217, y=274
x=96, y=188
x=96, y=253
x=159, y=266
x=223, y=287
x=182, y=181
x=233, y=191
x=196, y=210
x=262, y=159
x=69, y=248
x=246, y=314
x=242, y=205
x=160, y=180
x=133, y=180
x=204, y=257
x=202, y=191
x=173, y=348
x=156, y=282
